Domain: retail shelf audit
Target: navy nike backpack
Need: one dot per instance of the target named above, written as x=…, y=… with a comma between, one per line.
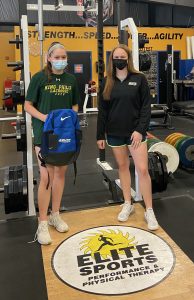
x=61, y=138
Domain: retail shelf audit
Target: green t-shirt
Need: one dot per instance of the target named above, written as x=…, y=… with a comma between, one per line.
x=58, y=93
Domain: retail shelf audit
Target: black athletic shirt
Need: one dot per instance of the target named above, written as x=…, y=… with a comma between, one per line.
x=128, y=110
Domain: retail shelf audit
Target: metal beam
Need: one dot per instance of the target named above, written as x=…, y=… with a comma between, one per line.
x=31, y=208
x=186, y=3
x=40, y=30
x=100, y=44
x=121, y=11
x=62, y=8
x=135, y=40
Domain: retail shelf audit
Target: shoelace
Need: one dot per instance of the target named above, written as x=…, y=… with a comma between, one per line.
x=43, y=227
x=35, y=238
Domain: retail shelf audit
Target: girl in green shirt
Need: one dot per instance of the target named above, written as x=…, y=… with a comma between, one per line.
x=49, y=89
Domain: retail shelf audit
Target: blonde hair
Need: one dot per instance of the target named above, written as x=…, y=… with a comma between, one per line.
x=111, y=71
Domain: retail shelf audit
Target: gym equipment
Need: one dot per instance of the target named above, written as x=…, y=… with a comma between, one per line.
x=84, y=9
x=160, y=111
x=158, y=171
x=182, y=88
x=129, y=22
x=21, y=135
x=142, y=40
x=168, y=151
x=90, y=92
x=8, y=101
x=157, y=165
x=109, y=179
x=15, y=177
x=185, y=146
x=184, y=108
x=15, y=92
x=145, y=61
x=19, y=183
x=15, y=189
x=90, y=88
x=165, y=85
x=163, y=111
x=186, y=152
x=180, y=106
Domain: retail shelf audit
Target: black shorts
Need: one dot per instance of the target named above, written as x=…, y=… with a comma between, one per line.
x=120, y=141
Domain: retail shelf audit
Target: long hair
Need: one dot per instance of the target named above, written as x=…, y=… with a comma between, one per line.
x=111, y=70
x=48, y=68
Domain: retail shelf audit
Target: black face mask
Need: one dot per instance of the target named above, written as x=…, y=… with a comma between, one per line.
x=119, y=63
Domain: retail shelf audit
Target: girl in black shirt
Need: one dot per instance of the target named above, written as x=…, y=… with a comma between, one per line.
x=123, y=119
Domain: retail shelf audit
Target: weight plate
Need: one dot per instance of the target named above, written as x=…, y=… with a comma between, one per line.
x=169, y=152
x=151, y=142
x=170, y=141
x=169, y=136
x=180, y=140
x=172, y=135
x=186, y=153
x=174, y=139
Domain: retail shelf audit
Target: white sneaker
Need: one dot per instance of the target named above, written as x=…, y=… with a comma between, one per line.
x=127, y=209
x=56, y=221
x=151, y=219
x=42, y=234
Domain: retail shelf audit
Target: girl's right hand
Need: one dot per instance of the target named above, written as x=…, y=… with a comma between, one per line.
x=101, y=144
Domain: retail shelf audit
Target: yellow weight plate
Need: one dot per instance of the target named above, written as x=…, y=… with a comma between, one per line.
x=172, y=136
x=169, y=136
x=176, y=138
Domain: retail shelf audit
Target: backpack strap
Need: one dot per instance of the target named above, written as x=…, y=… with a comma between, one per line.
x=43, y=164
x=75, y=171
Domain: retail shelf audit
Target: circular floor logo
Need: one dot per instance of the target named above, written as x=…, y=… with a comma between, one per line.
x=113, y=260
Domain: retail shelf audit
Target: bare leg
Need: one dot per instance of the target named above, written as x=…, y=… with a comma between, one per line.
x=122, y=158
x=58, y=187
x=43, y=193
x=140, y=157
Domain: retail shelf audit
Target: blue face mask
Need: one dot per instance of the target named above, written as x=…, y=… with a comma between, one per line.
x=59, y=64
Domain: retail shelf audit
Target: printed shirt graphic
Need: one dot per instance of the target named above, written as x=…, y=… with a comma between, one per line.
x=61, y=92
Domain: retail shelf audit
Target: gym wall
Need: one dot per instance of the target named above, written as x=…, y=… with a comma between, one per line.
x=85, y=39
x=7, y=54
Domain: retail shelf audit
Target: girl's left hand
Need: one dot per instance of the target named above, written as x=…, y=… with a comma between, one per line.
x=44, y=118
x=136, y=139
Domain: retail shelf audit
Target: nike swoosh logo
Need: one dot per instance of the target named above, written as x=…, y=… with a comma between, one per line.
x=62, y=119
